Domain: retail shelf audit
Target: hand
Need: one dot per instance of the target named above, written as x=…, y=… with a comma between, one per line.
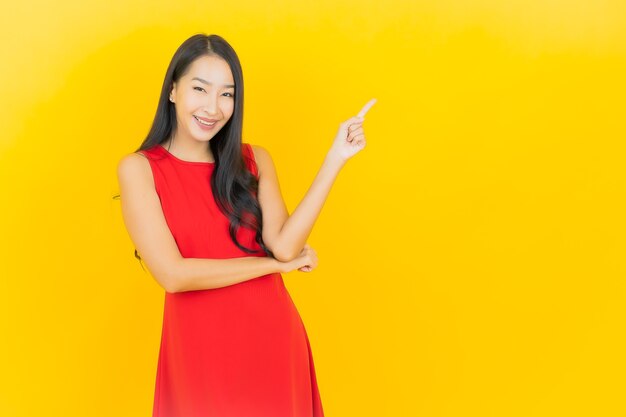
x=308, y=251
x=350, y=138
x=306, y=261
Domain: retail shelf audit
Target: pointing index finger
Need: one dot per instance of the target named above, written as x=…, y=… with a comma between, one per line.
x=366, y=108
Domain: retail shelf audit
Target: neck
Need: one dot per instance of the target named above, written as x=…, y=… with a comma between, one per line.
x=189, y=150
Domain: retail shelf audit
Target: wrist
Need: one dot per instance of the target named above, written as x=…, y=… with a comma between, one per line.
x=278, y=266
x=334, y=160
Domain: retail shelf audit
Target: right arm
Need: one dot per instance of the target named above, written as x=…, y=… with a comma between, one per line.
x=149, y=232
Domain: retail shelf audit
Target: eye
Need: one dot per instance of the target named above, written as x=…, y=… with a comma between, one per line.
x=198, y=88
x=229, y=94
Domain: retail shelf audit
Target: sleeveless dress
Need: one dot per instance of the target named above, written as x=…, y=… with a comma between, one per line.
x=235, y=351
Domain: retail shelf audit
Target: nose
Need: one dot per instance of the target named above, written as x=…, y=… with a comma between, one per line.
x=210, y=106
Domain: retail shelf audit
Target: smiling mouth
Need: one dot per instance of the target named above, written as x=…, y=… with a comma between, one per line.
x=205, y=123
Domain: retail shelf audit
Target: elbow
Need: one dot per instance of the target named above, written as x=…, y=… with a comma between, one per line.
x=171, y=282
x=284, y=254
x=171, y=288
x=168, y=284
x=176, y=284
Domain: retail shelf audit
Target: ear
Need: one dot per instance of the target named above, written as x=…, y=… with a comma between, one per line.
x=172, y=92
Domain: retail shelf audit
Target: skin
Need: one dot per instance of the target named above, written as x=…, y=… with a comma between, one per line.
x=193, y=97
x=283, y=233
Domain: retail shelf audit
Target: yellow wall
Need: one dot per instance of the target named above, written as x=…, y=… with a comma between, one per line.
x=471, y=257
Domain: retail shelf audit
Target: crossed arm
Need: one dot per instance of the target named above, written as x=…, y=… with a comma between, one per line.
x=285, y=235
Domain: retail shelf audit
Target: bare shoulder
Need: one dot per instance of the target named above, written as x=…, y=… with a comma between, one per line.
x=134, y=166
x=260, y=151
x=262, y=158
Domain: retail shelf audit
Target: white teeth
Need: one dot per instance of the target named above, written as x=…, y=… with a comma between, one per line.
x=205, y=123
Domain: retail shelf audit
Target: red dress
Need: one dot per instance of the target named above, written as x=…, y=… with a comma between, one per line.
x=235, y=351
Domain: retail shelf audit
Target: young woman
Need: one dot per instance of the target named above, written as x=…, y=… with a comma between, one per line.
x=205, y=212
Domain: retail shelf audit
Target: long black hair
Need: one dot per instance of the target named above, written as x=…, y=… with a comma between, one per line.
x=234, y=187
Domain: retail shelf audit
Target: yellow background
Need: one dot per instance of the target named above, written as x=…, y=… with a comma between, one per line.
x=471, y=257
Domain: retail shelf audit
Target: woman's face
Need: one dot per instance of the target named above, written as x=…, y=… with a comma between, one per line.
x=204, y=98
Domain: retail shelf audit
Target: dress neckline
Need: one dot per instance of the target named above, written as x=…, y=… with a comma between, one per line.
x=175, y=158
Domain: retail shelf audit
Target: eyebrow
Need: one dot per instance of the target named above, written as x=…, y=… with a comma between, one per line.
x=206, y=82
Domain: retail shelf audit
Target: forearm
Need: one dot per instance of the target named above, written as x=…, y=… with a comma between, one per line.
x=200, y=273
x=298, y=226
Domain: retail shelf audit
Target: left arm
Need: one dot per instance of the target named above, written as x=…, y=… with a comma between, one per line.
x=285, y=235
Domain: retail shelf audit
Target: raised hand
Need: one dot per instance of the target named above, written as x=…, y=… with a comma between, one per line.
x=350, y=138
